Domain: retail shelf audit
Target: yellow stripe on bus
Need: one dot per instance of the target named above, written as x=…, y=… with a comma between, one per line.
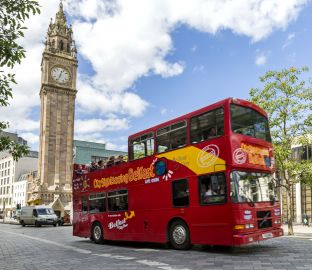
x=200, y=161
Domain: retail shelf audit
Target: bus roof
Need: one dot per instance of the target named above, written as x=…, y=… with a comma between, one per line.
x=202, y=110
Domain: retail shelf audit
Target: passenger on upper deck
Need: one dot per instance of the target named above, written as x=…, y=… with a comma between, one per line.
x=119, y=160
x=94, y=166
x=110, y=162
x=101, y=164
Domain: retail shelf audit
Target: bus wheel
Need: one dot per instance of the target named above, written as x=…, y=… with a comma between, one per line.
x=179, y=235
x=97, y=233
x=22, y=223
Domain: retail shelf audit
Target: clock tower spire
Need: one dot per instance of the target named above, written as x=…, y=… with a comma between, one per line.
x=57, y=96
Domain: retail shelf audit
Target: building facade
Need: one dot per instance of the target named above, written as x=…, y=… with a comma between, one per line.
x=20, y=191
x=301, y=192
x=86, y=152
x=57, y=95
x=10, y=172
x=14, y=137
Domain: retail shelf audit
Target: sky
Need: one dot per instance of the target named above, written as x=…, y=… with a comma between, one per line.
x=143, y=62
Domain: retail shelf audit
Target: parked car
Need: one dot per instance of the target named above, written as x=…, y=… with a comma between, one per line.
x=38, y=215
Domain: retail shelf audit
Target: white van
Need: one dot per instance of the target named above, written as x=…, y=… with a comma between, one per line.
x=38, y=215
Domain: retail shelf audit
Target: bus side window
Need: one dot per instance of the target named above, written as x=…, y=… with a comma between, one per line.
x=180, y=192
x=97, y=203
x=84, y=205
x=118, y=200
x=171, y=137
x=207, y=126
x=142, y=146
x=212, y=188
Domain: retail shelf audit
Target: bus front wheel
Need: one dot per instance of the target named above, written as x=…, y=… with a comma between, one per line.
x=179, y=235
x=97, y=233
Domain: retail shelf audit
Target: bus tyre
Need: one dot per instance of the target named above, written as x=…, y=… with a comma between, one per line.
x=179, y=235
x=97, y=233
x=22, y=223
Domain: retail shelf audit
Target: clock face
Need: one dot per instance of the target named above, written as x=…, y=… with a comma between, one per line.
x=60, y=75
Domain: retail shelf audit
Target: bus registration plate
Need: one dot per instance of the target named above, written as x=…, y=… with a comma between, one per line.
x=267, y=235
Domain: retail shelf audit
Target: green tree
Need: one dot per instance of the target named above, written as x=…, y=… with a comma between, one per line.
x=287, y=99
x=13, y=14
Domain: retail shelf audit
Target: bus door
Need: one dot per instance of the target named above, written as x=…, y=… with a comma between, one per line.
x=212, y=219
x=84, y=223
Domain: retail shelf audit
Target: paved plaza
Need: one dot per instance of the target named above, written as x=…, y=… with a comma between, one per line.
x=55, y=248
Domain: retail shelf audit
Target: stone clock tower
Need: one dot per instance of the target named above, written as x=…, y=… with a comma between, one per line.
x=57, y=95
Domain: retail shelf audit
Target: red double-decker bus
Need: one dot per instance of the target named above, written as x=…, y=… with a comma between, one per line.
x=202, y=178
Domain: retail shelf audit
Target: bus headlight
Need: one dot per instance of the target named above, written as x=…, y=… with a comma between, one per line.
x=249, y=226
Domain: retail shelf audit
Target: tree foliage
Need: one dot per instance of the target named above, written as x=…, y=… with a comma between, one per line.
x=287, y=98
x=13, y=14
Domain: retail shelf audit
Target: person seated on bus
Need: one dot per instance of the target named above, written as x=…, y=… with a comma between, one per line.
x=101, y=164
x=119, y=160
x=80, y=170
x=208, y=191
x=93, y=166
x=212, y=132
x=111, y=161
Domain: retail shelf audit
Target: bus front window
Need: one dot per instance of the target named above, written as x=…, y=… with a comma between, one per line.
x=248, y=122
x=252, y=187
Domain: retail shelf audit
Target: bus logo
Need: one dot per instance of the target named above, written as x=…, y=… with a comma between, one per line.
x=208, y=155
x=160, y=167
x=239, y=156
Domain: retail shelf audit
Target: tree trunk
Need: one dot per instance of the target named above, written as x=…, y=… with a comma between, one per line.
x=290, y=217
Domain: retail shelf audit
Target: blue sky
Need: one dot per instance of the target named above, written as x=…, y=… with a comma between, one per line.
x=140, y=68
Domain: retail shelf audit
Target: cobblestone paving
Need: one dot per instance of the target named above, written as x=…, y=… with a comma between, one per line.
x=55, y=248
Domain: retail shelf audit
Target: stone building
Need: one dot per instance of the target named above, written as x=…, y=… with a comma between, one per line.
x=57, y=95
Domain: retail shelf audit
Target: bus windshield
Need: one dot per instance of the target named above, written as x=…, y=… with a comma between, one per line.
x=252, y=187
x=248, y=122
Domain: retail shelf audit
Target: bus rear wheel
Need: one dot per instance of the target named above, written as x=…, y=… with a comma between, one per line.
x=97, y=233
x=179, y=235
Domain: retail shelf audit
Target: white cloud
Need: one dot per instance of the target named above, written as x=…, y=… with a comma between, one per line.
x=194, y=48
x=31, y=138
x=125, y=40
x=99, y=125
x=261, y=60
x=289, y=40
x=199, y=68
x=163, y=111
x=106, y=102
